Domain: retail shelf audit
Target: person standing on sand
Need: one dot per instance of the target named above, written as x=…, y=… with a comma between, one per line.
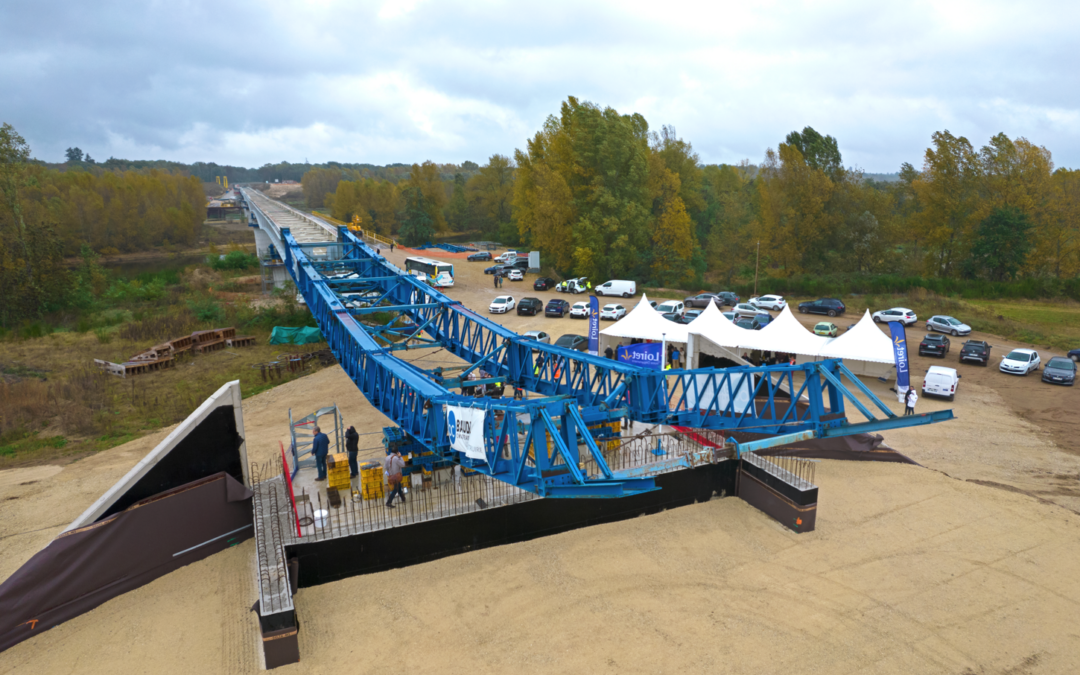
x=393, y=465
x=909, y=402
x=352, y=442
x=320, y=447
x=391, y=247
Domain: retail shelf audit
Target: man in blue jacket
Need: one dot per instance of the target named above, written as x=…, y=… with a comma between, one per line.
x=320, y=447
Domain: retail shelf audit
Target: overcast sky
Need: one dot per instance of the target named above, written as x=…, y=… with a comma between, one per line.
x=249, y=83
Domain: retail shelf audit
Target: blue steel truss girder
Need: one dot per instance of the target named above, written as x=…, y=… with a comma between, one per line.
x=774, y=400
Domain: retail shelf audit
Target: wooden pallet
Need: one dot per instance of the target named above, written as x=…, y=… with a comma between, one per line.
x=242, y=341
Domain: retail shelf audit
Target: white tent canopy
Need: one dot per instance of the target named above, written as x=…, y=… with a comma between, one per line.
x=863, y=342
x=783, y=334
x=645, y=323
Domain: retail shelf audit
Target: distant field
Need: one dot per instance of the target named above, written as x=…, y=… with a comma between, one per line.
x=1059, y=319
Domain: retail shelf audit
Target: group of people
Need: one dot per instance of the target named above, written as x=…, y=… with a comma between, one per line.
x=393, y=465
x=498, y=279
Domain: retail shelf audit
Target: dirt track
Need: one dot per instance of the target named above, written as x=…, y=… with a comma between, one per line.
x=910, y=570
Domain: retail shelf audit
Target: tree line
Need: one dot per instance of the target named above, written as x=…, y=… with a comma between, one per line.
x=48, y=214
x=600, y=194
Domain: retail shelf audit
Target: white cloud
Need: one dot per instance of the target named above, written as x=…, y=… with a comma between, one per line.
x=408, y=81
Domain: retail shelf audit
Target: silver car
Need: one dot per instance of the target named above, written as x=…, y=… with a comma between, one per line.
x=947, y=324
x=538, y=335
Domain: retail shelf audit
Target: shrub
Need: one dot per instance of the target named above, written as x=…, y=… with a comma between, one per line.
x=206, y=310
x=233, y=260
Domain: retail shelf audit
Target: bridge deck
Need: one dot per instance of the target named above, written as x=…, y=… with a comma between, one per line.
x=647, y=454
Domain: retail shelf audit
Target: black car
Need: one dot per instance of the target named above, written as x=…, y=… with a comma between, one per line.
x=543, y=284
x=530, y=306
x=672, y=316
x=573, y=342
x=1060, y=370
x=482, y=255
x=975, y=350
x=729, y=298
x=703, y=299
x=748, y=324
x=505, y=269
x=557, y=307
x=1074, y=355
x=830, y=306
x=934, y=344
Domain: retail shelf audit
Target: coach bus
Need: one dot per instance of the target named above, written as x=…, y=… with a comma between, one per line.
x=438, y=273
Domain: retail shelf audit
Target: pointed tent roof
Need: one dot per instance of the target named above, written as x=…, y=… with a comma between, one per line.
x=863, y=342
x=784, y=334
x=645, y=323
x=714, y=326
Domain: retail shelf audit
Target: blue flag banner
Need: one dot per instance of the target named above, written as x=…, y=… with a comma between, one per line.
x=644, y=355
x=899, y=343
x=594, y=325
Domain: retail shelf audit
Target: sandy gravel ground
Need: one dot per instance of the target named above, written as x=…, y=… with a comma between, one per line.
x=911, y=569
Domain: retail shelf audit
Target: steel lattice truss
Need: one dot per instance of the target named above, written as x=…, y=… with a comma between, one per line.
x=349, y=285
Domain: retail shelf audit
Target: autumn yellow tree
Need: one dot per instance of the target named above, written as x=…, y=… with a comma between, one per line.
x=425, y=178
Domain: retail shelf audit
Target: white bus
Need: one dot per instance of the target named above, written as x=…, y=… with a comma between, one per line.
x=438, y=273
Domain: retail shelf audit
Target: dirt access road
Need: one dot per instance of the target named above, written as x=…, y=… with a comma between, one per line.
x=909, y=571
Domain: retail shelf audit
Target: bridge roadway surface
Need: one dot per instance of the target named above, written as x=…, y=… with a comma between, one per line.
x=347, y=286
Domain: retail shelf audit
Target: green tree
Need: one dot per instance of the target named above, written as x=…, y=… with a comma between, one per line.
x=1001, y=244
x=491, y=193
x=457, y=211
x=417, y=226
x=820, y=152
x=74, y=155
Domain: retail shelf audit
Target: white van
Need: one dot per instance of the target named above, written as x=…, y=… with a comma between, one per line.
x=618, y=287
x=940, y=381
x=508, y=257
x=675, y=306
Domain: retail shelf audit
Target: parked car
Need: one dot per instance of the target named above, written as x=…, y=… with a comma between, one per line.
x=538, y=335
x=975, y=350
x=830, y=306
x=773, y=302
x=573, y=342
x=507, y=257
x=504, y=269
x=516, y=275
x=692, y=314
x=618, y=287
x=703, y=299
x=612, y=312
x=1060, y=370
x=940, y=381
x=730, y=316
x=521, y=263
x=763, y=318
x=482, y=255
x=530, y=306
x=673, y=306
x=652, y=303
x=672, y=316
x=543, y=284
x=557, y=307
x=501, y=304
x=897, y=314
x=745, y=310
x=579, y=285
x=730, y=299
x=580, y=310
x=827, y=329
x=1020, y=361
x=1074, y=354
x=934, y=345
x=947, y=324
x=748, y=324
